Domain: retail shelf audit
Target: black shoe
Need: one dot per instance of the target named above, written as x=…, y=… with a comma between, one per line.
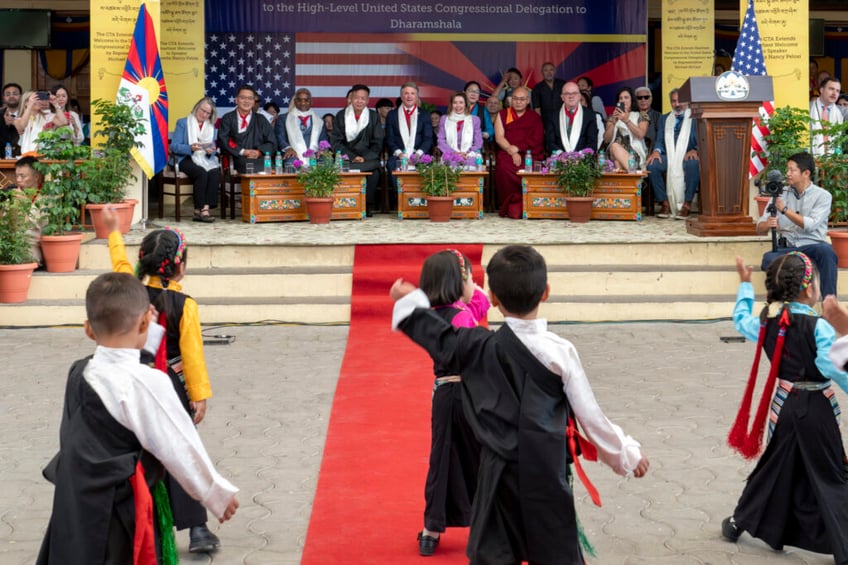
x=427, y=544
x=729, y=530
x=201, y=540
x=369, y=214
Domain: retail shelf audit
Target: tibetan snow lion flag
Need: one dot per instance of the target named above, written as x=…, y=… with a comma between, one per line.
x=143, y=89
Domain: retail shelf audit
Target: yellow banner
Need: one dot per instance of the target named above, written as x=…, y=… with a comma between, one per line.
x=786, y=45
x=688, y=42
x=181, y=52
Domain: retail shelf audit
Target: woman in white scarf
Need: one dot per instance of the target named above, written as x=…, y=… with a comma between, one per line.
x=59, y=102
x=625, y=131
x=36, y=117
x=459, y=132
x=193, y=148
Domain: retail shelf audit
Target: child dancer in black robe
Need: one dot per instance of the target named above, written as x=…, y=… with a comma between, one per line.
x=797, y=494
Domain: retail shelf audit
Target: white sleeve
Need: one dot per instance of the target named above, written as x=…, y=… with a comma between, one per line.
x=405, y=306
x=839, y=352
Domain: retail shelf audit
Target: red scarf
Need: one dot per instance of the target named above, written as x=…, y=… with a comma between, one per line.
x=408, y=114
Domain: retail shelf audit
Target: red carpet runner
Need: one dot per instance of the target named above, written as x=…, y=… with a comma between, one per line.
x=369, y=504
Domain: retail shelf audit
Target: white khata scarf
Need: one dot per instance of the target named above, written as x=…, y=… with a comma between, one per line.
x=203, y=135
x=676, y=152
x=407, y=133
x=296, y=140
x=353, y=127
x=462, y=145
x=638, y=145
x=569, y=142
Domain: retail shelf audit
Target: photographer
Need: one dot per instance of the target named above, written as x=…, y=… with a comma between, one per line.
x=802, y=211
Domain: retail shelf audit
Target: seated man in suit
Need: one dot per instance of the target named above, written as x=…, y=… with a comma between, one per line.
x=245, y=135
x=574, y=127
x=675, y=152
x=300, y=128
x=408, y=131
x=357, y=133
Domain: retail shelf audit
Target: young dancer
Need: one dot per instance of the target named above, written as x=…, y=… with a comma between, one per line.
x=520, y=385
x=797, y=494
x=161, y=266
x=116, y=408
x=454, y=451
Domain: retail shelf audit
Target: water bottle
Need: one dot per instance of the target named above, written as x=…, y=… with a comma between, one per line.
x=267, y=166
x=528, y=162
x=836, y=151
x=631, y=162
x=339, y=161
x=404, y=164
x=312, y=162
x=8, y=150
x=602, y=160
x=478, y=162
x=278, y=164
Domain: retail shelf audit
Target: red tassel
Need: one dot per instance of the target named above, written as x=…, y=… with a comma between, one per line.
x=144, y=549
x=590, y=452
x=161, y=360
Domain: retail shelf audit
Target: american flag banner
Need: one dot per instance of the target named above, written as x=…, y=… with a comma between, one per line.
x=748, y=60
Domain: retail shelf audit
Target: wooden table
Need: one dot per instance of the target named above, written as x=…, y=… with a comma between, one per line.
x=618, y=196
x=7, y=172
x=279, y=198
x=467, y=198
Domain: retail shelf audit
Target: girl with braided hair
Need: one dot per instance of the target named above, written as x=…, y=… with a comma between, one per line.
x=161, y=266
x=798, y=492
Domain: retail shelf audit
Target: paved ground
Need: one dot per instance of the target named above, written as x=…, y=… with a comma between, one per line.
x=673, y=386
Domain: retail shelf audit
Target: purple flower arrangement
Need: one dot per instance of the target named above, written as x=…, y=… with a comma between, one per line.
x=576, y=171
x=438, y=178
x=319, y=172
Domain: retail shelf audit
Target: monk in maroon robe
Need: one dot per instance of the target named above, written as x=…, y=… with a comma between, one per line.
x=517, y=129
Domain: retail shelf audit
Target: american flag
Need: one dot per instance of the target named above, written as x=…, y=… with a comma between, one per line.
x=748, y=59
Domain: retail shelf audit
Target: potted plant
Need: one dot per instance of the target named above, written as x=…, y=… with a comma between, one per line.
x=108, y=170
x=438, y=181
x=16, y=260
x=576, y=174
x=61, y=198
x=833, y=177
x=320, y=176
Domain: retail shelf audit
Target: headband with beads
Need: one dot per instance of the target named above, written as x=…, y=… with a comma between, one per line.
x=181, y=243
x=808, y=269
x=462, y=268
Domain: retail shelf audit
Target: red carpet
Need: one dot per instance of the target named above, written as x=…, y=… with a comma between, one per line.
x=369, y=504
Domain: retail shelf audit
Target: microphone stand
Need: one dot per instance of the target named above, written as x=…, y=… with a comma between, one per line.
x=772, y=210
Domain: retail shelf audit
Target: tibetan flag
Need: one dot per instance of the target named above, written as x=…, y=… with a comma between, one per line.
x=143, y=89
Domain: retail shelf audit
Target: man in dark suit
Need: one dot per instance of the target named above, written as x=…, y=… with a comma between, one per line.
x=408, y=131
x=574, y=127
x=245, y=135
x=357, y=133
x=546, y=96
x=675, y=153
x=300, y=128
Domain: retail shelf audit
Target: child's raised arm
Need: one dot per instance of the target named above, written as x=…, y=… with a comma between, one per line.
x=400, y=288
x=744, y=270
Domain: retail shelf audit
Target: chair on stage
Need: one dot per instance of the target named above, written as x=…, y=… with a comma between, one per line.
x=230, y=179
x=171, y=175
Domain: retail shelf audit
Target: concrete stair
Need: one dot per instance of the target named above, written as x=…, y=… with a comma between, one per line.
x=311, y=284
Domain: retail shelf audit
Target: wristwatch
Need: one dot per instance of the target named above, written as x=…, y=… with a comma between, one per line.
x=785, y=208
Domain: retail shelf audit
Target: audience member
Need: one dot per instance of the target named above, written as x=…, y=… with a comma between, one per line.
x=675, y=154
x=625, y=132
x=435, y=120
x=843, y=105
x=574, y=128
x=357, y=133
x=718, y=69
x=586, y=102
x=518, y=131
x=245, y=135
x=11, y=107
x=329, y=120
x=59, y=102
x=29, y=179
x=75, y=106
x=259, y=108
x=383, y=107
x=644, y=99
x=814, y=74
x=193, y=146
x=546, y=97
x=459, y=131
x=586, y=85
x=35, y=117
x=477, y=108
x=273, y=110
x=299, y=129
x=509, y=82
x=824, y=113
x=494, y=107
x=803, y=210
x=408, y=132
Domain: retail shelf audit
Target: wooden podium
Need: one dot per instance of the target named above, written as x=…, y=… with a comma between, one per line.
x=724, y=147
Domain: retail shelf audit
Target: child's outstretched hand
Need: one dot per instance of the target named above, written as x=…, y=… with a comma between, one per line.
x=110, y=218
x=400, y=288
x=641, y=468
x=744, y=270
x=230, y=511
x=836, y=314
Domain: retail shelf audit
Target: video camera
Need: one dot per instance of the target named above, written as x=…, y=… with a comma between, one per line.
x=773, y=185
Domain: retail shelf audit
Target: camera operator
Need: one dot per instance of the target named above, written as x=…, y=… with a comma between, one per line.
x=801, y=221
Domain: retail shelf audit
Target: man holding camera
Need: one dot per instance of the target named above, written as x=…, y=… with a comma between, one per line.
x=800, y=218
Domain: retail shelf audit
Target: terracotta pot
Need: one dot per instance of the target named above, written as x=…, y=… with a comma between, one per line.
x=579, y=208
x=440, y=208
x=320, y=210
x=14, y=282
x=61, y=252
x=124, y=211
x=762, y=202
x=839, y=242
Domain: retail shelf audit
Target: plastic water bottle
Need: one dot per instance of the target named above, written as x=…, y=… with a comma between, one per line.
x=267, y=167
x=312, y=161
x=339, y=161
x=602, y=160
x=478, y=162
x=631, y=163
x=404, y=164
x=8, y=150
x=528, y=162
x=278, y=164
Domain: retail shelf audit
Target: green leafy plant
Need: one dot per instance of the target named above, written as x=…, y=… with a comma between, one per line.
x=16, y=207
x=109, y=169
x=438, y=178
x=789, y=133
x=576, y=171
x=321, y=176
x=64, y=190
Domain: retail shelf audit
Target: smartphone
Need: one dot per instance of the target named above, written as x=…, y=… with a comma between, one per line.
x=620, y=106
x=43, y=95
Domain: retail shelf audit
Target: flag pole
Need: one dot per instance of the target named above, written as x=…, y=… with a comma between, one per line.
x=144, y=223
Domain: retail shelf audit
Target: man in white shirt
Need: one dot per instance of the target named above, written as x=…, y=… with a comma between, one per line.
x=825, y=113
x=300, y=129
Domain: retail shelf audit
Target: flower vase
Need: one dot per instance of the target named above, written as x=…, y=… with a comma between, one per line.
x=440, y=208
x=579, y=208
x=320, y=210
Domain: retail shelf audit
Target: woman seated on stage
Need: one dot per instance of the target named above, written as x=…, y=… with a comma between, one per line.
x=625, y=131
x=459, y=132
x=193, y=146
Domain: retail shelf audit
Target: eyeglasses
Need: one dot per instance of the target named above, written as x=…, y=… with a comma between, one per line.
x=299, y=99
x=11, y=93
x=470, y=91
x=246, y=98
x=644, y=97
